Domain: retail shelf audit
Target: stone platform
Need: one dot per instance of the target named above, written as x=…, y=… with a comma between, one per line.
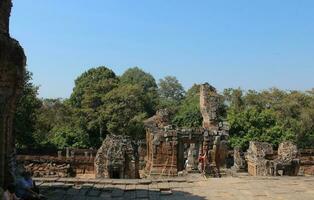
x=235, y=188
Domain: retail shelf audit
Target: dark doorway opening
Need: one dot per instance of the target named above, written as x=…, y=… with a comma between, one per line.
x=115, y=174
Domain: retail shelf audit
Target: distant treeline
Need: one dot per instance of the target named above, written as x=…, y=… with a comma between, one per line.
x=103, y=103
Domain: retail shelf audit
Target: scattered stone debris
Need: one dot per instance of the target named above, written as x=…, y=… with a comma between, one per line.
x=117, y=158
x=49, y=170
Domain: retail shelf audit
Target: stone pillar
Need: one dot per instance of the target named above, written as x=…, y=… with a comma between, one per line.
x=67, y=152
x=12, y=71
x=59, y=154
x=239, y=160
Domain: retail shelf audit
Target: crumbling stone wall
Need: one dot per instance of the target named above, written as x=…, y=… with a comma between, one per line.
x=215, y=148
x=12, y=69
x=172, y=149
x=263, y=162
x=169, y=148
x=161, y=145
x=117, y=158
x=259, y=159
x=287, y=162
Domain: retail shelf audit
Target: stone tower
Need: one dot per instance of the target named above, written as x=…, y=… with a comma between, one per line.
x=12, y=70
x=215, y=138
x=209, y=106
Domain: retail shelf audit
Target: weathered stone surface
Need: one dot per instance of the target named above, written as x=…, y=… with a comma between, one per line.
x=49, y=169
x=287, y=162
x=171, y=149
x=215, y=148
x=240, y=164
x=209, y=106
x=287, y=151
x=260, y=149
x=258, y=164
x=12, y=70
x=117, y=158
x=168, y=147
x=262, y=161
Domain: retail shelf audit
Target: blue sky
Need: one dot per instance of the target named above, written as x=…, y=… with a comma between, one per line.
x=243, y=43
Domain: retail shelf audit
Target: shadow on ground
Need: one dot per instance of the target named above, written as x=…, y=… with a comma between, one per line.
x=116, y=192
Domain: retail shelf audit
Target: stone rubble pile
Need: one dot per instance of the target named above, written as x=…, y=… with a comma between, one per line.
x=49, y=170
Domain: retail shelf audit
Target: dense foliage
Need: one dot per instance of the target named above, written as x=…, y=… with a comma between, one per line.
x=26, y=114
x=103, y=103
x=271, y=115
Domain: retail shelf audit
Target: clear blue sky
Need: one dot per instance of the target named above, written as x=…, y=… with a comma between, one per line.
x=235, y=43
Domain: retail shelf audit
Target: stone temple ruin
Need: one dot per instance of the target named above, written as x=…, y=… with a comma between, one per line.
x=262, y=161
x=166, y=146
x=171, y=150
x=117, y=158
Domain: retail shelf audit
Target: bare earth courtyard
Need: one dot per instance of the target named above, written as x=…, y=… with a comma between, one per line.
x=243, y=187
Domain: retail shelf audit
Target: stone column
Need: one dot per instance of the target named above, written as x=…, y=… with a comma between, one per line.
x=67, y=152
x=12, y=70
x=59, y=154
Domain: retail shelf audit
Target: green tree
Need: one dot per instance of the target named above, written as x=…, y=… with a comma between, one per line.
x=125, y=111
x=171, y=89
x=253, y=124
x=171, y=94
x=136, y=76
x=87, y=100
x=91, y=86
x=26, y=114
x=189, y=114
x=66, y=135
x=291, y=114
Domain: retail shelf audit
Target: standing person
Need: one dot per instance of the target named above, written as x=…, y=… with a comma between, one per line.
x=9, y=194
x=201, y=160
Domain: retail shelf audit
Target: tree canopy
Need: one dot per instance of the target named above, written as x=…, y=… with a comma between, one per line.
x=102, y=103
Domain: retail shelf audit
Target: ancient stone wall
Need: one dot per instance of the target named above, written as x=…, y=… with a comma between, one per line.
x=307, y=162
x=162, y=153
x=258, y=164
x=12, y=70
x=173, y=149
x=262, y=161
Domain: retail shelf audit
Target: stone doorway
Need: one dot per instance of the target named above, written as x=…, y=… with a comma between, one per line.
x=115, y=173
